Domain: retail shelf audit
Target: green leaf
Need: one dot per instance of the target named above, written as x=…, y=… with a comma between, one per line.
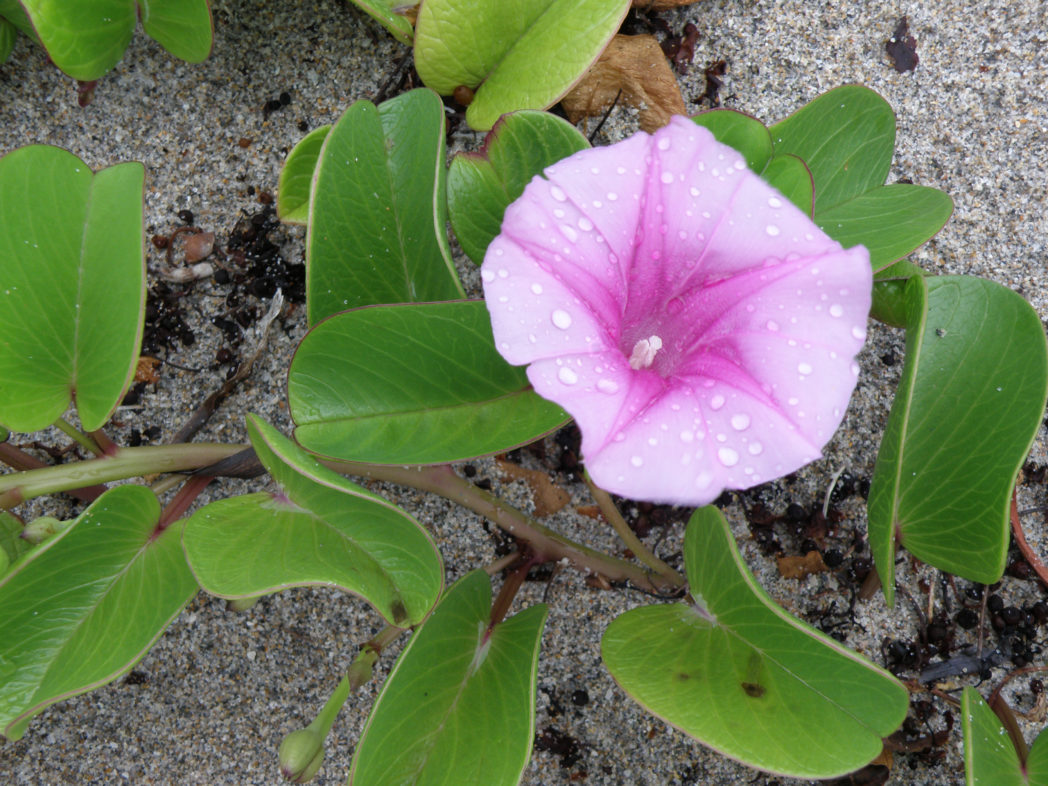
x=891, y=221
x=412, y=384
x=8, y=35
x=73, y=291
x=377, y=226
x=459, y=705
x=846, y=137
x=12, y=11
x=742, y=676
x=970, y=402
x=743, y=132
x=990, y=758
x=889, y=292
x=12, y=544
x=182, y=27
x=83, y=608
x=296, y=178
x=323, y=530
x=482, y=185
x=518, y=54
x=86, y=38
x=793, y=180
x=386, y=13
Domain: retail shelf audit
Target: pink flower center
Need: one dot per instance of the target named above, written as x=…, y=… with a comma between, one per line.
x=644, y=352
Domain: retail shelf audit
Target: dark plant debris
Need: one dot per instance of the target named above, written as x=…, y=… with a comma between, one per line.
x=902, y=47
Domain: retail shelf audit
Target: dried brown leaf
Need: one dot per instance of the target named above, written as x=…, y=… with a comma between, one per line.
x=801, y=567
x=636, y=67
x=547, y=495
x=199, y=246
x=145, y=371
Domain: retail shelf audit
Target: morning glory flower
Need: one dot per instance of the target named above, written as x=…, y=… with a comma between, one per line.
x=699, y=327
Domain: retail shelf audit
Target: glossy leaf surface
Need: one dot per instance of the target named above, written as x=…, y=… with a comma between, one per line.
x=412, y=384
x=386, y=13
x=459, y=705
x=742, y=676
x=990, y=758
x=84, y=607
x=321, y=530
x=73, y=286
x=296, y=177
x=8, y=36
x=377, y=224
x=516, y=54
x=969, y=404
x=182, y=27
x=481, y=185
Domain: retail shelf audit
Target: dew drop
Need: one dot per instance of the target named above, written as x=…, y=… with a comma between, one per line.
x=585, y=224
x=567, y=376
x=667, y=178
x=859, y=333
x=503, y=273
x=664, y=144
x=557, y=194
x=836, y=310
x=774, y=202
x=772, y=325
x=536, y=288
x=755, y=448
x=717, y=402
x=740, y=422
x=772, y=230
x=687, y=436
x=636, y=461
x=804, y=368
x=703, y=480
x=569, y=233
x=694, y=191
x=728, y=457
x=612, y=196
x=607, y=386
x=561, y=319
x=487, y=276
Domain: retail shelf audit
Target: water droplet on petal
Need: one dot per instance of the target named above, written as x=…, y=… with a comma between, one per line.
x=703, y=480
x=567, y=376
x=612, y=196
x=774, y=202
x=557, y=193
x=561, y=319
x=666, y=178
x=585, y=224
x=772, y=230
x=728, y=457
x=740, y=422
x=755, y=448
x=487, y=276
x=687, y=436
x=636, y=461
x=717, y=402
x=536, y=288
x=503, y=273
x=664, y=143
x=836, y=310
x=804, y=368
x=607, y=386
x=569, y=233
x=859, y=333
x=772, y=325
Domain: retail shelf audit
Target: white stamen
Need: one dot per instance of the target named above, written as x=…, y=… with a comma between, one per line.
x=644, y=352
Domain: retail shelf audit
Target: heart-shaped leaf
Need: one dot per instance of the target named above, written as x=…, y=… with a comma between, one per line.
x=72, y=286
x=389, y=13
x=412, y=384
x=296, y=178
x=87, y=38
x=182, y=27
x=481, y=185
x=967, y=409
x=84, y=607
x=523, y=54
x=740, y=675
x=377, y=225
x=459, y=705
x=990, y=758
x=321, y=530
x=846, y=137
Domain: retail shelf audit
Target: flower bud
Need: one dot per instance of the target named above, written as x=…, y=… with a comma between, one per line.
x=301, y=754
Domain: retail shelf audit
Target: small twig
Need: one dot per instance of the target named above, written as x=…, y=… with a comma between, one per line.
x=604, y=119
x=829, y=491
x=1024, y=547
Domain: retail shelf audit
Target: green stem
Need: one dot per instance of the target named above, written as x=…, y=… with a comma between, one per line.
x=17, y=487
x=546, y=544
x=629, y=537
x=77, y=436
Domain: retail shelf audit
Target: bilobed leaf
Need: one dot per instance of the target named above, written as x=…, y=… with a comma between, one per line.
x=517, y=54
x=296, y=178
x=83, y=608
x=481, y=185
x=389, y=13
x=891, y=221
x=72, y=286
x=378, y=214
x=182, y=27
x=846, y=137
x=322, y=530
x=412, y=384
x=970, y=402
x=86, y=38
x=459, y=705
x=740, y=675
x=743, y=132
x=990, y=758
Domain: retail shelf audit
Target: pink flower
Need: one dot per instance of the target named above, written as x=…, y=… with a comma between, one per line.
x=698, y=326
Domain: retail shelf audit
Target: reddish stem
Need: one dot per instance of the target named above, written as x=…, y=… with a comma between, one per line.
x=183, y=499
x=1024, y=547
